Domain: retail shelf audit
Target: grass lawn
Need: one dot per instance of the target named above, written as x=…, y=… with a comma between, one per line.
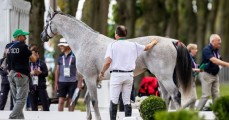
x=224, y=90
x=80, y=105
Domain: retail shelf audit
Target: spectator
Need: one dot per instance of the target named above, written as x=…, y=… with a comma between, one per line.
x=212, y=59
x=66, y=76
x=192, y=48
x=38, y=92
x=5, y=85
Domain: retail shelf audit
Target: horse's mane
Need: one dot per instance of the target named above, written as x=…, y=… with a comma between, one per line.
x=74, y=19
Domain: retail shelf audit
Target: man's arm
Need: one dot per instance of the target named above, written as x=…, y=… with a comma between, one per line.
x=105, y=66
x=80, y=81
x=219, y=62
x=57, y=73
x=150, y=45
x=29, y=53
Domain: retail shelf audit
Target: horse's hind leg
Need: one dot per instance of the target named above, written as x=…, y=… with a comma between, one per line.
x=176, y=97
x=92, y=89
x=191, y=100
x=88, y=108
x=172, y=91
x=164, y=94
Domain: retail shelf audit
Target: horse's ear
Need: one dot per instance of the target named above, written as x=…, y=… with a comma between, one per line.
x=58, y=9
x=50, y=10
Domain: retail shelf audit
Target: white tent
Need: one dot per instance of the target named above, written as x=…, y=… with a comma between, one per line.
x=14, y=14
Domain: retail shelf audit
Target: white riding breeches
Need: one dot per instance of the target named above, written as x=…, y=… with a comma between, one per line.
x=121, y=82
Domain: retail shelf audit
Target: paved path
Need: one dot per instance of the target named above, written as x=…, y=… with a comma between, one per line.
x=55, y=115
x=77, y=115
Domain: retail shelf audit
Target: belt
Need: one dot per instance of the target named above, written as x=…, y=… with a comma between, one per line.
x=120, y=71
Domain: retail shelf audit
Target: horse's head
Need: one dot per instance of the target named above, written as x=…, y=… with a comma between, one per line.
x=49, y=30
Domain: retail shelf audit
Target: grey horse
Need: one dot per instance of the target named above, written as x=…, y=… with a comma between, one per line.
x=168, y=60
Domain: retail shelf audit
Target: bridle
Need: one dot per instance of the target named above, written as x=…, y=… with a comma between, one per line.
x=48, y=26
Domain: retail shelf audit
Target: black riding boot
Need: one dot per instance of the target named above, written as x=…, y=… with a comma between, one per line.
x=128, y=110
x=113, y=110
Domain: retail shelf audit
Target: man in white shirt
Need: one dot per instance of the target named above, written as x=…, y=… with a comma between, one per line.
x=120, y=57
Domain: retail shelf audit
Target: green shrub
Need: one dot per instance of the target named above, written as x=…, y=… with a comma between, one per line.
x=178, y=115
x=221, y=108
x=150, y=106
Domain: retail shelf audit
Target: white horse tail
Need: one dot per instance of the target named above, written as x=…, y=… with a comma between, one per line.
x=183, y=67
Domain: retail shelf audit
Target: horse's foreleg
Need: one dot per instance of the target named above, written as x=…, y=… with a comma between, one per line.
x=92, y=89
x=88, y=108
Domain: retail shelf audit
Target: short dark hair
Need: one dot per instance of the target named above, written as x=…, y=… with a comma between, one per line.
x=121, y=31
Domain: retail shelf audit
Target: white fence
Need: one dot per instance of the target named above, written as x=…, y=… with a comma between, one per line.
x=224, y=75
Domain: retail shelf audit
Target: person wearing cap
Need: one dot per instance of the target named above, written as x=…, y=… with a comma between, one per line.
x=18, y=56
x=66, y=76
x=120, y=57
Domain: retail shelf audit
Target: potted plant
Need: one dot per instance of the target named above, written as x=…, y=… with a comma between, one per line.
x=221, y=108
x=150, y=106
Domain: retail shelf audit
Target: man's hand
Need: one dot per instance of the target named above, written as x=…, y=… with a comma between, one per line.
x=32, y=73
x=196, y=70
x=56, y=87
x=80, y=81
x=37, y=72
x=154, y=41
x=80, y=86
x=151, y=44
x=105, y=67
x=101, y=75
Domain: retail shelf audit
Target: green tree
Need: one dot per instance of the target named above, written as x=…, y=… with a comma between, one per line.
x=211, y=20
x=68, y=6
x=172, y=15
x=202, y=15
x=95, y=14
x=154, y=17
x=222, y=26
x=36, y=25
x=187, y=21
x=126, y=15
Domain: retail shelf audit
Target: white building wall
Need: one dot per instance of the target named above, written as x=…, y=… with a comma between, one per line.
x=14, y=14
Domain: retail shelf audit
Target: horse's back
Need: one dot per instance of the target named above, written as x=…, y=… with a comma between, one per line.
x=160, y=59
